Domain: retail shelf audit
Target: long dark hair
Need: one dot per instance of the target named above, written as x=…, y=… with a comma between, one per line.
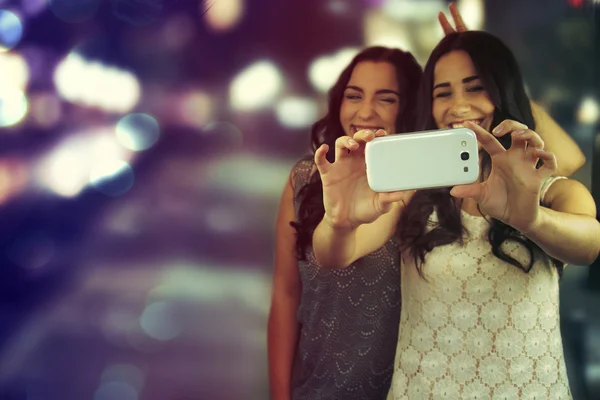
x=501, y=77
x=329, y=128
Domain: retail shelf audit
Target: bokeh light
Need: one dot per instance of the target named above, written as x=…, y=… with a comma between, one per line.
x=14, y=177
x=160, y=322
x=473, y=13
x=74, y=10
x=84, y=157
x=112, y=177
x=256, y=87
x=137, y=131
x=408, y=10
x=116, y=390
x=6, y=183
x=226, y=219
x=93, y=84
x=589, y=111
x=45, y=109
x=223, y=15
x=382, y=30
x=13, y=106
x=339, y=7
x=116, y=322
x=324, y=71
x=209, y=283
x=248, y=175
x=33, y=7
x=379, y=35
x=69, y=75
x=196, y=108
x=11, y=30
x=297, y=112
x=64, y=174
x=14, y=71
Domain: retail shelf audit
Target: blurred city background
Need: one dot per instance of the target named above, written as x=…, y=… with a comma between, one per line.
x=144, y=145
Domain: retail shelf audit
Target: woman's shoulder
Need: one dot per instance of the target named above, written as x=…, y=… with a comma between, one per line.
x=568, y=195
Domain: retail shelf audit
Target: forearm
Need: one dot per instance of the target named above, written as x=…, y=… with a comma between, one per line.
x=573, y=239
x=334, y=248
x=282, y=339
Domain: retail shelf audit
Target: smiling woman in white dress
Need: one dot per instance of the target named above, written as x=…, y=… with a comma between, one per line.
x=481, y=262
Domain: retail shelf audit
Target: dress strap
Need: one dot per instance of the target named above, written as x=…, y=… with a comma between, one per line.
x=546, y=185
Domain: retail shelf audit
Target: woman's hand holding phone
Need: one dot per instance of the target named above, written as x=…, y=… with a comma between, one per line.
x=347, y=197
x=511, y=191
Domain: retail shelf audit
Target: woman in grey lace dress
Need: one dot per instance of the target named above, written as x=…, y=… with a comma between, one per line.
x=330, y=331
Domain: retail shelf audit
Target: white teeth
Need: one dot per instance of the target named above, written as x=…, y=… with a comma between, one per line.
x=359, y=128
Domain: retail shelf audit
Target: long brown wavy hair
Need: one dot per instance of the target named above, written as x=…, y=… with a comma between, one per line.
x=329, y=128
x=500, y=75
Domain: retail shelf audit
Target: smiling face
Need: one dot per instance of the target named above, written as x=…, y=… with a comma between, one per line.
x=371, y=98
x=458, y=93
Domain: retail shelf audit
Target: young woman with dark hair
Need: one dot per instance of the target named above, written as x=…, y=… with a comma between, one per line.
x=480, y=263
x=329, y=332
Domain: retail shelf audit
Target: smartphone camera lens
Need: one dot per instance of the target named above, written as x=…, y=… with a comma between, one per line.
x=464, y=156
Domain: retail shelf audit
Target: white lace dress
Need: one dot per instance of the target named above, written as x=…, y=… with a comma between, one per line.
x=478, y=327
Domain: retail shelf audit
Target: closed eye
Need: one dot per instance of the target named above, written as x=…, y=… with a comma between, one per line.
x=352, y=96
x=475, y=89
x=442, y=94
x=390, y=100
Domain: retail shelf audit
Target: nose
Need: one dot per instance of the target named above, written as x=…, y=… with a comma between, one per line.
x=460, y=106
x=366, y=110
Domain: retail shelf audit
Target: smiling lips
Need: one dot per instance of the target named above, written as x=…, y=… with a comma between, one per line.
x=453, y=125
x=356, y=128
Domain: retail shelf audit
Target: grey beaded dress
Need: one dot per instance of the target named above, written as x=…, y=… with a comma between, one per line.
x=349, y=322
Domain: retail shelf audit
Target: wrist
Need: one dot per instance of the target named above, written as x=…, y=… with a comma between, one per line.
x=536, y=225
x=338, y=225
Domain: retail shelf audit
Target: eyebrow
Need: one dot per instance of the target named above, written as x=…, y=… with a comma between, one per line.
x=380, y=91
x=465, y=80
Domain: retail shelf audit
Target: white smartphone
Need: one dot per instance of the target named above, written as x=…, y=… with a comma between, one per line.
x=422, y=160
